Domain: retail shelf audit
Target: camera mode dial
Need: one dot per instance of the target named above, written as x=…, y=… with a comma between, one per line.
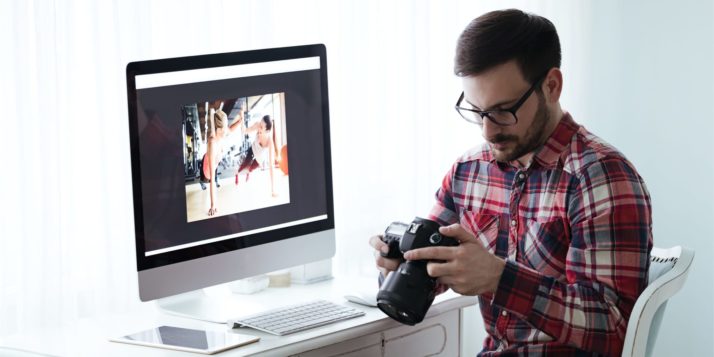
x=435, y=238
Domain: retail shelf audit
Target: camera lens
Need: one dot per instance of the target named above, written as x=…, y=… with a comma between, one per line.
x=407, y=295
x=400, y=315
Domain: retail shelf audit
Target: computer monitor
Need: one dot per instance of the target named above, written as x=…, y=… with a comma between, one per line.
x=231, y=170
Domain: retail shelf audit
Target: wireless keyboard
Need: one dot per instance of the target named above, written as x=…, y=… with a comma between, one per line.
x=295, y=318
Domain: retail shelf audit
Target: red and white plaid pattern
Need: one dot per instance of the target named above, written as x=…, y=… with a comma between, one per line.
x=575, y=229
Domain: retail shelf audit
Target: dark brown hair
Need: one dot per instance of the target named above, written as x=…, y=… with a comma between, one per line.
x=269, y=126
x=268, y=122
x=497, y=37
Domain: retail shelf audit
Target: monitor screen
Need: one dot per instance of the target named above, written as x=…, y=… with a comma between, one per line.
x=229, y=152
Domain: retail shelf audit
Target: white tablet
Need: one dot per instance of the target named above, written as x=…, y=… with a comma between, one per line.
x=183, y=339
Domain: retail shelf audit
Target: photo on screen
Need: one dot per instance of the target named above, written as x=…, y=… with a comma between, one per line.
x=235, y=155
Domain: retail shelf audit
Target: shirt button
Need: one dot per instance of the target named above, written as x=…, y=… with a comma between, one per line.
x=504, y=313
x=521, y=176
x=513, y=223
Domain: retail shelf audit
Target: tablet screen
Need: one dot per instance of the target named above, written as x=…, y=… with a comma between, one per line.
x=188, y=339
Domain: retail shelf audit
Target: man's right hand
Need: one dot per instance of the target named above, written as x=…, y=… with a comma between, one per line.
x=384, y=265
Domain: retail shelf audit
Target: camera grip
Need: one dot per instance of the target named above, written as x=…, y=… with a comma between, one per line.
x=393, y=245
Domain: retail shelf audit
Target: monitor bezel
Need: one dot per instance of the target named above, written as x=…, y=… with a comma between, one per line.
x=137, y=68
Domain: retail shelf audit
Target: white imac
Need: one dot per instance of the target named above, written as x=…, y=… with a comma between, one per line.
x=231, y=170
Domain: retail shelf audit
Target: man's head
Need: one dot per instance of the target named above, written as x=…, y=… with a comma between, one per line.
x=509, y=61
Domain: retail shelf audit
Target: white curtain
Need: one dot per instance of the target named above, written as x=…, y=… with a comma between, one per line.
x=66, y=224
x=66, y=221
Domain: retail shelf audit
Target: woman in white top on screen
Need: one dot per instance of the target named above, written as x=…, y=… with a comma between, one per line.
x=264, y=144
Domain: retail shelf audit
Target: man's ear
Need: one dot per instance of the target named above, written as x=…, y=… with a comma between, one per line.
x=553, y=85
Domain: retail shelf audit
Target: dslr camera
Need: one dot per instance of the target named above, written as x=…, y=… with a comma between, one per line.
x=407, y=293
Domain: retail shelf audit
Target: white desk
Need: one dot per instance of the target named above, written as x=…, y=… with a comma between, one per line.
x=374, y=334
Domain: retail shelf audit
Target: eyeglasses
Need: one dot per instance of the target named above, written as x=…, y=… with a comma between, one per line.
x=503, y=117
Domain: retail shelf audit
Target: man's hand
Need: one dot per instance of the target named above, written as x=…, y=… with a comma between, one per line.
x=468, y=269
x=384, y=265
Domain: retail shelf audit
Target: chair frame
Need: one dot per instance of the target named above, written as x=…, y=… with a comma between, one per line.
x=641, y=333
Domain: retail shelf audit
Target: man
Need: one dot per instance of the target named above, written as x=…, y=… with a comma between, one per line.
x=554, y=224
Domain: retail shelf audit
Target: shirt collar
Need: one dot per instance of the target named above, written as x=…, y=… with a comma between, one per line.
x=548, y=155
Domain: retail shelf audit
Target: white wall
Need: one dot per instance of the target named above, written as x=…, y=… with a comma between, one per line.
x=650, y=95
x=638, y=73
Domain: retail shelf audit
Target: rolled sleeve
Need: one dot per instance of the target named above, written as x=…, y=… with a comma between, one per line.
x=444, y=209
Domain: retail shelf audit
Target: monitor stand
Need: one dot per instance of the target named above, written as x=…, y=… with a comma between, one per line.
x=215, y=304
x=240, y=298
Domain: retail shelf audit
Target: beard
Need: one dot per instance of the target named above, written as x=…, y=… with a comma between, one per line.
x=533, y=138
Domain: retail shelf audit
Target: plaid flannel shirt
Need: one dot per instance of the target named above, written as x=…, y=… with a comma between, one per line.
x=575, y=230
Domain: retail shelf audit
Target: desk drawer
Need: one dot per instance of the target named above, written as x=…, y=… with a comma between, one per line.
x=435, y=336
x=365, y=346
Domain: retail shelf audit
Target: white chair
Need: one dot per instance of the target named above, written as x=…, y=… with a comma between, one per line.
x=668, y=271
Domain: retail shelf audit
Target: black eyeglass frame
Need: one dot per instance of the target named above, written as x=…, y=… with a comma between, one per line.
x=488, y=113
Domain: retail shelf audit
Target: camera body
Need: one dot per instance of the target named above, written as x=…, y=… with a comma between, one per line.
x=407, y=293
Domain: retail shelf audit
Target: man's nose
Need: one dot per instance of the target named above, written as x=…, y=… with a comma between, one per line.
x=489, y=128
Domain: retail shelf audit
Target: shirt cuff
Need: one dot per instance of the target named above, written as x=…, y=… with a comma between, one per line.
x=517, y=289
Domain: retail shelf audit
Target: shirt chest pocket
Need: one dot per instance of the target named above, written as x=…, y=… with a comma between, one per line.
x=484, y=226
x=544, y=246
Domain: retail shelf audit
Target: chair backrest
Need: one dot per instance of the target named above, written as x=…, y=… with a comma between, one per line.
x=667, y=273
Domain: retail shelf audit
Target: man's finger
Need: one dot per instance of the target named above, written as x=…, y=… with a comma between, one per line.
x=430, y=253
x=446, y=280
x=389, y=264
x=457, y=232
x=436, y=270
x=376, y=243
x=441, y=270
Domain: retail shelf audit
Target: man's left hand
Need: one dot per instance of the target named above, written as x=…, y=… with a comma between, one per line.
x=468, y=269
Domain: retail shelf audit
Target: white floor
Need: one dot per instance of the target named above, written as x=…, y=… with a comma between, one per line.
x=231, y=198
